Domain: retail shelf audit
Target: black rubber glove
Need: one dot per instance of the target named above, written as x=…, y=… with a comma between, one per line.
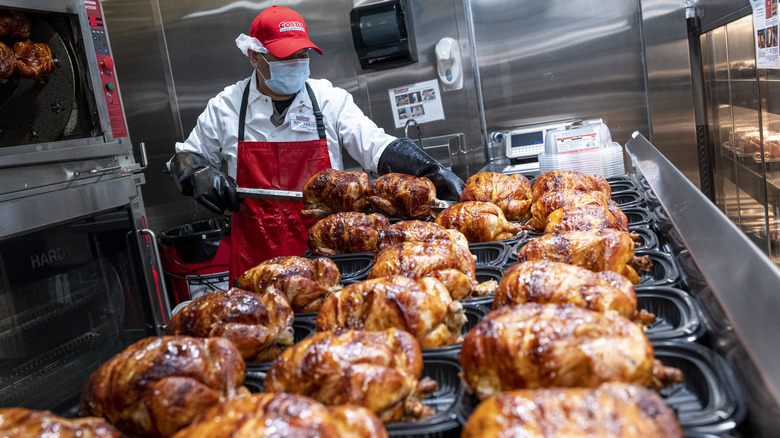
x=403, y=156
x=195, y=177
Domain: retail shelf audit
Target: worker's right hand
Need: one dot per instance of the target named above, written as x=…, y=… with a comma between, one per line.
x=195, y=177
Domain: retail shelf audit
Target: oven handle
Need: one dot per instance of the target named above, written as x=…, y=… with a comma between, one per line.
x=158, y=279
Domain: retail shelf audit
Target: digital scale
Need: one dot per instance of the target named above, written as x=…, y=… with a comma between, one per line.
x=529, y=140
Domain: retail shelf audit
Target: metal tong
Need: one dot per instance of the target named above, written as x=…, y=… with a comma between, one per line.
x=286, y=195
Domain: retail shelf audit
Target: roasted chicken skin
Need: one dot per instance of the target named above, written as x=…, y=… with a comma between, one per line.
x=306, y=283
x=421, y=307
x=347, y=232
x=331, y=191
x=403, y=196
x=567, y=179
x=547, y=282
x=603, y=250
x=511, y=193
x=446, y=263
x=534, y=345
x=260, y=326
x=376, y=370
x=586, y=218
x=26, y=423
x=550, y=201
x=33, y=60
x=7, y=62
x=14, y=24
x=289, y=415
x=612, y=410
x=478, y=221
x=423, y=231
x=158, y=385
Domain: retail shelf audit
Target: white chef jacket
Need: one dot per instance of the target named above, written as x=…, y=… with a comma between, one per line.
x=216, y=134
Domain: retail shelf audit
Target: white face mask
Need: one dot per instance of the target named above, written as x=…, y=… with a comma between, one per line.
x=287, y=77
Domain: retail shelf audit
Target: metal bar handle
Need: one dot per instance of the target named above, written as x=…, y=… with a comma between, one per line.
x=157, y=263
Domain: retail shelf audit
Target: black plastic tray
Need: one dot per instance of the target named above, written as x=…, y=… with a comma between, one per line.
x=444, y=401
x=621, y=184
x=647, y=238
x=474, y=314
x=352, y=266
x=678, y=316
x=709, y=399
x=692, y=277
x=485, y=273
x=638, y=216
x=664, y=271
x=661, y=219
x=302, y=328
x=490, y=253
x=628, y=198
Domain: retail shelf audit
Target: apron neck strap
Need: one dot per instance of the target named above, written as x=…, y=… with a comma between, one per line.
x=315, y=106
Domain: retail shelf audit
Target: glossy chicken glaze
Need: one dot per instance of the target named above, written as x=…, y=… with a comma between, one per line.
x=347, y=232
x=403, y=196
x=7, y=62
x=33, y=60
x=478, y=221
x=306, y=283
x=613, y=410
x=566, y=179
x=376, y=370
x=158, y=385
x=284, y=415
x=550, y=201
x=511, y=193
x=585, y=218
x=423, y=308
x=447, y=263
x=260, y=326
x=426, y=232
x=25, y=423
x=332, y=191
x=534, y=345
x=548, y=282
x=601, y=250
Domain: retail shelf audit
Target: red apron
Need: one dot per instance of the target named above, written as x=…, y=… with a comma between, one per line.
x=264, y=229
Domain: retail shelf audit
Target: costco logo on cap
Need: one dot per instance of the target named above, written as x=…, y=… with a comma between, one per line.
x=291, y=25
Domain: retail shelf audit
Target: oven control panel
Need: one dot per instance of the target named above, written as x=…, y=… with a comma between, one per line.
x=106, y=65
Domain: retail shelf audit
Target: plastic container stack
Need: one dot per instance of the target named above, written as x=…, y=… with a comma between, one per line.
x=588, y=149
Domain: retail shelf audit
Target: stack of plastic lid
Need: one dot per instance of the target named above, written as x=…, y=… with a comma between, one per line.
x=588, y=149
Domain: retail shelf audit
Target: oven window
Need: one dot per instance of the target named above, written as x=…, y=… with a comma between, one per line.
x=71, y=297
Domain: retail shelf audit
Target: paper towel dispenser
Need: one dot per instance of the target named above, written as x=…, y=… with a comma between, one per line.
x=383, y=33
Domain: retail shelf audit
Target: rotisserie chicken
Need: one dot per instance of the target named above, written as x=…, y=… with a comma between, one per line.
x=422, y=231
x=446, y=263
x=512, y=193
x=347, y=232
x=26, y=423
x=551, y=201
x=548, y=282
x=478, y=221
x=403, y=196
x=158, y=385
x=260, y=326
x=544, y=345
x=331, y=191
x=14, y=24
x=7, y=62
x=421, y=307
x=377, y=370
x=566, y=179
x=612, y=410
x=603, y=250
x=585, y=218
x=284, y=415
x=306, y=283
x=33, y=60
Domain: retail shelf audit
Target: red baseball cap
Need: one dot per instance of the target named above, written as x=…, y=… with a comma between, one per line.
x=282, y=31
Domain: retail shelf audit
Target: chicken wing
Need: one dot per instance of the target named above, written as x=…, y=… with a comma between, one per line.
x=478, y=221
x=346, y=232
x=511, y=193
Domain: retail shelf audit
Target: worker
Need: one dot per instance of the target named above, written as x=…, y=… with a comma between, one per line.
x=275, y=130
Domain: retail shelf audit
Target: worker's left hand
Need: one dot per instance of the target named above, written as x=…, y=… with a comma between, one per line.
x=448, y=185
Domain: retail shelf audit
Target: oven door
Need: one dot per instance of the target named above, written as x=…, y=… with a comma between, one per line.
x=75, y=289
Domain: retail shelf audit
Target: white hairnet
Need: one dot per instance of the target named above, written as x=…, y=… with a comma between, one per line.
x=246, y=42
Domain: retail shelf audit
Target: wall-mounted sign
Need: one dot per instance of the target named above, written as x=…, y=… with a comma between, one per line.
x=420, y=101
x=765, y=33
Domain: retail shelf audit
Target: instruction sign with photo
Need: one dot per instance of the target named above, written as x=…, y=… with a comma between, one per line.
x=765, y=29
x=421, y=102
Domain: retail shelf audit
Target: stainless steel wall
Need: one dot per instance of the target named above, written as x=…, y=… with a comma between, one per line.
x=552, y=60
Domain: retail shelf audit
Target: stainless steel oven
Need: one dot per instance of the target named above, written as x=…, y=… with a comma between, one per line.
x=79, y=271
